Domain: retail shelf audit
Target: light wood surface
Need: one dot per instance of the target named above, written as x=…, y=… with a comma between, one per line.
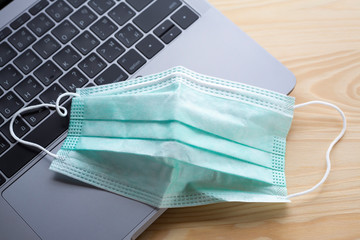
x=319, y=41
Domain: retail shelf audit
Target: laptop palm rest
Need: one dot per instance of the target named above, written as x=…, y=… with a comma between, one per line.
x=57, y=207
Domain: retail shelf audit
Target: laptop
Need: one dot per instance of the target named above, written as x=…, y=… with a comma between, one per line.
x=48, y=47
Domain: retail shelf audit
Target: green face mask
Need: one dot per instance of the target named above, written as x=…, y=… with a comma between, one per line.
x=178, y=139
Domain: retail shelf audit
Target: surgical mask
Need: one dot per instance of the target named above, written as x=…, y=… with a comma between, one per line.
x=179, y=138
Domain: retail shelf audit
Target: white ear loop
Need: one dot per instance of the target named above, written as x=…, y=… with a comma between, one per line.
x=328, y=163
x=62, y=111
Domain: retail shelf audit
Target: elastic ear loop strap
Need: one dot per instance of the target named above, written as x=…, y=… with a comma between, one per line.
x=328, y=163
x=62, y=111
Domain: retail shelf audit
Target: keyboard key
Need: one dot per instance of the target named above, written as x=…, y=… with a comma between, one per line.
x=184, y=17
x=149, y=46
x=121, y=13
x=9, y=76
x=44, y=134
x=76, y=3
x=171, y=34
x=20, y=129
x=128, y=35
x=163, y=28
x=38, y=7
x=110, y=50
x=2, y=179
x=83, y=17
x=21, y=39
x=85, y=42
x=72, y=80
x=9, y=104
x=52, y=93
x=4, y=33
x=155, y=13
x=34, y=116
x=131, y=61
x=28, y=88
x=48, y=73
x=40, y=24
x=92, y=65
x=3, y=145
x=65, y=31
x=67, y=57
x=59, y=10
x=20, y=21
x=46, y=46
x=139, y=4
x=27, y=61
x=103, y=28
x=111, y=75
x=101, y=6
x=90, y=85
x=6, y=53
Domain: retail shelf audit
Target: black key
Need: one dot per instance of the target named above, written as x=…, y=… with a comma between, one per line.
x=20, y=21
x=9, y=104
x=27, y=61
x=9, y=76
x=110, y=50
x=101, y=6
x=20, y=129
x=4, y=33
x=128, y=35
x=184, y=17
x=65, y=31
x=103, y=28
x=155, y=13
x=1, y=93
x=90, y=85
x=38, y=7
x=139, y=4
x=48, y=73
x=2, y=179
x=28, y=88
x=40, y=24
x=83, y=17
x=72, y=80
x=131, y=61
x=44, y=134
x=67, y=57
x=21, y=39
x=46, y=46
x=85, y=42
x=111, y=75
x=33, y=117
x=3, y=145
x=76, y=3
x=171, y=34
x=59, y=10
x=6, y=53
x=92, y=65
x=52, y=93
x=163, y=28
x=121, y=13
x=149, y=46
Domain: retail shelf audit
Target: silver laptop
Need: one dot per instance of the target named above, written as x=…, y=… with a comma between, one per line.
x=49, y=47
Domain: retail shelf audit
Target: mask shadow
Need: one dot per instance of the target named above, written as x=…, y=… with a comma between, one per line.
x=241, y=214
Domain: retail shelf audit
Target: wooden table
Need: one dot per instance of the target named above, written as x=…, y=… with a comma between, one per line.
x=319, y=41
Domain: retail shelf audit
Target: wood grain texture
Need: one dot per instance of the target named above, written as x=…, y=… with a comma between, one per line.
x=319, y=41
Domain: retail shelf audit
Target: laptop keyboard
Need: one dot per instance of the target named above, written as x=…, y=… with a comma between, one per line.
x=58, y=46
